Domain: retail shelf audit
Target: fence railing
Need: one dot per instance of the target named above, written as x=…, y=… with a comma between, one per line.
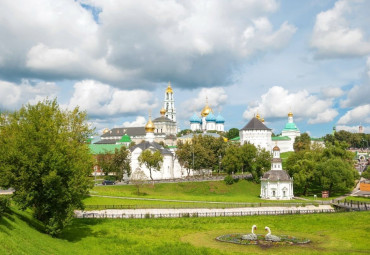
x=188, y=205
x=352, y=204
x=199, y=214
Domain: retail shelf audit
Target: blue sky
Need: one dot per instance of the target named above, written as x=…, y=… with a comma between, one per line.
x=115, y=58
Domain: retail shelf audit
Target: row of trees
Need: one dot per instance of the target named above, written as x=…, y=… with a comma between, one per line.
x=354, y=140
x=207, y=152
x=317, y=168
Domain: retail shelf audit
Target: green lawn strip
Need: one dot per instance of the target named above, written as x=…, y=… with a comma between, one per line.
x=361, y=199
x=344, y=233
x=214, y=191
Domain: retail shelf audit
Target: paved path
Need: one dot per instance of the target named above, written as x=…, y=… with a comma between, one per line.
x=201, y=212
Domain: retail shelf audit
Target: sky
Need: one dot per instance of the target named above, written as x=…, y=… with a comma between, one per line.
x=115, y=58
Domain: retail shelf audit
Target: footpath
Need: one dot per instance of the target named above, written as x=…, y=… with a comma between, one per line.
x=202, y=212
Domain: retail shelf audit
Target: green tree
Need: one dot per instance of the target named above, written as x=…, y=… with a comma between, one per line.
x=232, y=133
x=302, y=142
x=138, y=179
x=232, y=161
x=262, y=164
x=152, y=160
x=184, y=155
x=121, y=162
x=44, y=157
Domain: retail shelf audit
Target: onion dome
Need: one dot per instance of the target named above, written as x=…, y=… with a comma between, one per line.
x=195, y=119
x=276, y=148
x=149, y=127
x=220, y=119
x=211, y=117
x=262, y=120
x=290, y=114
x=206, y=110
x=169, y=88
x=106, y=130
x=162, y=111
x=258, y=116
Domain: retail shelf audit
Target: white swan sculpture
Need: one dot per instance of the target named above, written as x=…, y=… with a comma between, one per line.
x=252, y=236
x=269, y=237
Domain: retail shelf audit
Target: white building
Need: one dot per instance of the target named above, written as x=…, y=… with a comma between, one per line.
x=207, y=121
x=288, y=134
x=255, y=132
x=276, y=184
x=169, y=103
x=170, y=168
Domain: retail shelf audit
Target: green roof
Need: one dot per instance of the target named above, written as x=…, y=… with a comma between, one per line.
x=317, y=139
x=235, y=139
x=103, y=148
x=125, y=139
x=172, y=147
x=290, y=127
x=280, y=138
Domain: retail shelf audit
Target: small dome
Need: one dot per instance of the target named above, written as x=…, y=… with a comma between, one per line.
x=162, y=111
x=258, y=116
x=211, y=117
x=149, y=127
x=169, y=88
x=262, y=120
x=220, y=119
x=290, y=114
x=125, y=139
x=195, y=119
x=106, y=130
x=276, y=148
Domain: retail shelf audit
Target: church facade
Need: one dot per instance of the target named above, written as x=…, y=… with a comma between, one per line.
x=286, y=140
x=207, y=121
x=255, y=132
x=276, y=184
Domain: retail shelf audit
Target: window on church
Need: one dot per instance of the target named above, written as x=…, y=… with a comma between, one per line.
x=273, y=193
x=284, y=193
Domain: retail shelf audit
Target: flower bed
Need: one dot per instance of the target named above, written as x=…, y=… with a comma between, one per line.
x=285, y=240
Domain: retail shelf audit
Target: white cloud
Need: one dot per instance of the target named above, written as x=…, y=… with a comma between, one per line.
x=337, y=32
x=332, y=92
x=216, y=97
x=277, y=102
x=192, y=43
x=353, y=129
x=360, y=114
x=100, y=99
x=12, y=95
x=140, y=121
x=359, y=94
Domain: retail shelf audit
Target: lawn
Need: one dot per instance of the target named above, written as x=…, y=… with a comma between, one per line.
x=344, y=233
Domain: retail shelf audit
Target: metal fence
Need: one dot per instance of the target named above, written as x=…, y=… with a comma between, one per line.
x=207, y=205
x=198, y=214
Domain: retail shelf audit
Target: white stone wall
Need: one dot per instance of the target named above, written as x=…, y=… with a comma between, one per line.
x=211, y=125
x=284, y=145
x=260, y=138
x=195, y=126
x=277, y=190
x=220, y=127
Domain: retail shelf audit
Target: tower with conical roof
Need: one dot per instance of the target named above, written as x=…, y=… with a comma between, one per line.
x=169, y=103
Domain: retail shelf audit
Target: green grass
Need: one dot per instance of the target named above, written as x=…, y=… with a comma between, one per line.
x=340, y=233
x=361, y=199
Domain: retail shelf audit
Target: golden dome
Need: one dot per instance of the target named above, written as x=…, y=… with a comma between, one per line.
x=206, y=110
x=105, y=130
x=290, y=114
x=162, y=111
x=276, y=148
x=149, y=127
x=258, y=116
x=169, y=88
x=262, y=120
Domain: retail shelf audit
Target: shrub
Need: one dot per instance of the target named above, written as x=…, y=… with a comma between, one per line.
x=229, y=180
x=4, y=204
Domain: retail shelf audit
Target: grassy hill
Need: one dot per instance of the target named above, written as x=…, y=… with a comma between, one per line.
x=344, y=233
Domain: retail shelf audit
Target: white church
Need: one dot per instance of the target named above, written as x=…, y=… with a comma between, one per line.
x=207, y=121
x=276, y=184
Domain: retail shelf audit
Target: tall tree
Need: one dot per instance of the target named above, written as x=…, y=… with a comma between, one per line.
x=44, y=157
x=232, y=133
x=302, y=142
x=184, y=155
x=152, y=160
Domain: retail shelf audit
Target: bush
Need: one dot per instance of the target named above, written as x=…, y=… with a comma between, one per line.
x=229, y=180
x=4, y=204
